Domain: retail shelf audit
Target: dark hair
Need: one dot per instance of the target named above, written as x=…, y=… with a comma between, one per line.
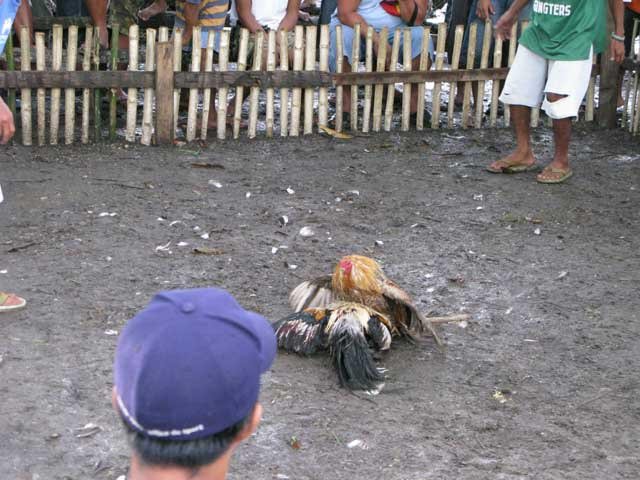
x=190, y=454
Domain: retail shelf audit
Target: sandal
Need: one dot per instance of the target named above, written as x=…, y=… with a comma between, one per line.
x=9, y=302
x=554, y=175
x=501, y=166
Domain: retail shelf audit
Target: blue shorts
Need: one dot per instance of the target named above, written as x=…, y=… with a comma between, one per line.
x=204, y=34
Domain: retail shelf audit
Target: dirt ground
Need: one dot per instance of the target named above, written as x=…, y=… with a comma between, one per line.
x=550, y=275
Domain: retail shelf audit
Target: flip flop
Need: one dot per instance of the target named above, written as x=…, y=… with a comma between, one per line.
x=511, y=168
x=564, y=175
x=9, y=302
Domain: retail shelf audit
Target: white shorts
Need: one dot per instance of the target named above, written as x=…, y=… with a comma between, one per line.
x=531, y=76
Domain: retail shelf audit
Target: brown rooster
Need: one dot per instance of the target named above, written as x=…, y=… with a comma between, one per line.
x=347, y=312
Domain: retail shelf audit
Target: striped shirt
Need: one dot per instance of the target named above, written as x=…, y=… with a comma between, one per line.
x=213, y=13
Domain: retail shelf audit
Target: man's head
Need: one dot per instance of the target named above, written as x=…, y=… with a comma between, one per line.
x=187, y=376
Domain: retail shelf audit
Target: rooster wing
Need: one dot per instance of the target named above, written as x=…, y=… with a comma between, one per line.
x=316, y=293
x=303, y=332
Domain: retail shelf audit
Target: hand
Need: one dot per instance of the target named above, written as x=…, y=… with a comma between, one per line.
x=617, y=50
x=288, y=23
x=485, y=9
x=502, y=29
x=7, y=127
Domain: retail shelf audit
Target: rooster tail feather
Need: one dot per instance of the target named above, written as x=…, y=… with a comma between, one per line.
x=302, y=332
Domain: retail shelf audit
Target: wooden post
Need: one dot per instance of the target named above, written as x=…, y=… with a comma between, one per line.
x=271, y=66
x=11, y=66
x=177, y=66
x=56, y=66
x=284, y=92
x=223, y=66
x=242, y=66
x=323, y=96
x=113, y=100
x=495, y=87
x=513, y=44
x=455, y=64
x=164, y=94
x=296, y=100
x=591, y=92
x=379, y=88
x=192, y=113
x=424, y=65
x=70, y=93
x=355, y=66
x=310, y=65
x=471, y=58
x=255, y=91
x=41, y=92
x=406, y=88
x=97, y=92
x=368, y=65
x=437, y=88
x=25, y=93
x=86, y=93
x=339, y=88
x=609, y=78
x=391, y=89
x=484, y=63
x=625, y=111
x=206, y=95
x=132, y=93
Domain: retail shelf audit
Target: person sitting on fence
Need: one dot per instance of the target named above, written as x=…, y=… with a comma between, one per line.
x=554, y=63
x=371, y=13
x=186, y=383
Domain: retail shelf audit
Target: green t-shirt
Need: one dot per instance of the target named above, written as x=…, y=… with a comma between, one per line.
x=566, y=29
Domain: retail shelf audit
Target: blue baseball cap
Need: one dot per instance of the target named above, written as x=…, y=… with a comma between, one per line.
x=188, y=365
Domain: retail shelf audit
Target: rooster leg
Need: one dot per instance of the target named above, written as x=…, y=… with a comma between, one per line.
x=429, y=326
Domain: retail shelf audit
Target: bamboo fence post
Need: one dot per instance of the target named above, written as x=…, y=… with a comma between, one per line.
x=455, y=64
x=284, y=92
x=56, y=66
x=223, y=66
x=255, y=91
x=25, y=93
x=177, y=66
x=206, y=96
x=86, y=93
x=424, y=66
x=296, y=100
x=149, y=66
x=41, y=92
x=355, y=67
x=591, y=93
x=437, y=88
x=634, y=99
x=471, y=57
x=310, y=65
x=192, y=113
x=406, y=88
x=484, y=63
x=368, y=65
x=391, y=89
x=495, y=87
x=625, y=112
x=163, y=34
x=97, y=92
x=379, y=88
x=70, y=93
x=113, y=101
x=339, y=88
x=242, y=66
x=636, y=114
x=164, y=83
x=513, y=44
x=271, y=66
x=323, y=96
x=132, y=93
x=11, y=66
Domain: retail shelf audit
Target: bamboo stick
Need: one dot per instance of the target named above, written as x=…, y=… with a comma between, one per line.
x=424, y=65
x=56, y=66
x=495, y=87
x=626, y=111
x=86, y=93
x=255, y=91
x=163, y=34
x=355, y=67
x=339, y=88
x=455, y=64
x=113, y=101
x=471, y=57
x=11, y=66
x=149, y=66
x=448, y=319
x=177, y=66
x=271, y=66
x=206, y=96
x=97, y=92
x=591, y=93
x=284, y=92
x=242, y=66
x=406, y=88
x=437, y=88
x=132, y=93
x=484, y=63
x=296, y=100
x=310, y=65
x=70, y=93
x=379, y=88
x=192, y=114
x=391, y=90
x=512, y=55
x=368, y=65
x=323, y=96
x=41, y=93
x=223, y=66
x=25, y=93
x=636, y=117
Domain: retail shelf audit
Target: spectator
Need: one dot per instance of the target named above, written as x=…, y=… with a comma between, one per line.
x=411, y=13
x=186, y=383
x=554, y=62
x=631, y=14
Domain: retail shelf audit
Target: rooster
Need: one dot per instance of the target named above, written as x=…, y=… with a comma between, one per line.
x=355, y=308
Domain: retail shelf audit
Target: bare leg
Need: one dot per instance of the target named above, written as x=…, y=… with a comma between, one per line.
x=98, y=12
x=156, y=8
x=522, y=157
x=559, y=168
x=24, y=18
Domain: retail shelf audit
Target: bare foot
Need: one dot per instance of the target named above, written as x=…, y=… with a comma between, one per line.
x=156, y=8
x=518, y=161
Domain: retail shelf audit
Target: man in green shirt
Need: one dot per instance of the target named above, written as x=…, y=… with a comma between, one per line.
x=553, y=66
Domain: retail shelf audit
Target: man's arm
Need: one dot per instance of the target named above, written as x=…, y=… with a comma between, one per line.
x=485, y=9
x=24, y=18
x=505, y=23
x=191, y=14
x=7, y=127
x=290, y=20
x=617, y=45
x=407, y=7
x=245, y=15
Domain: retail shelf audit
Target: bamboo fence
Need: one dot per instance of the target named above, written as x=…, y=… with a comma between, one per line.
x=143, y=95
